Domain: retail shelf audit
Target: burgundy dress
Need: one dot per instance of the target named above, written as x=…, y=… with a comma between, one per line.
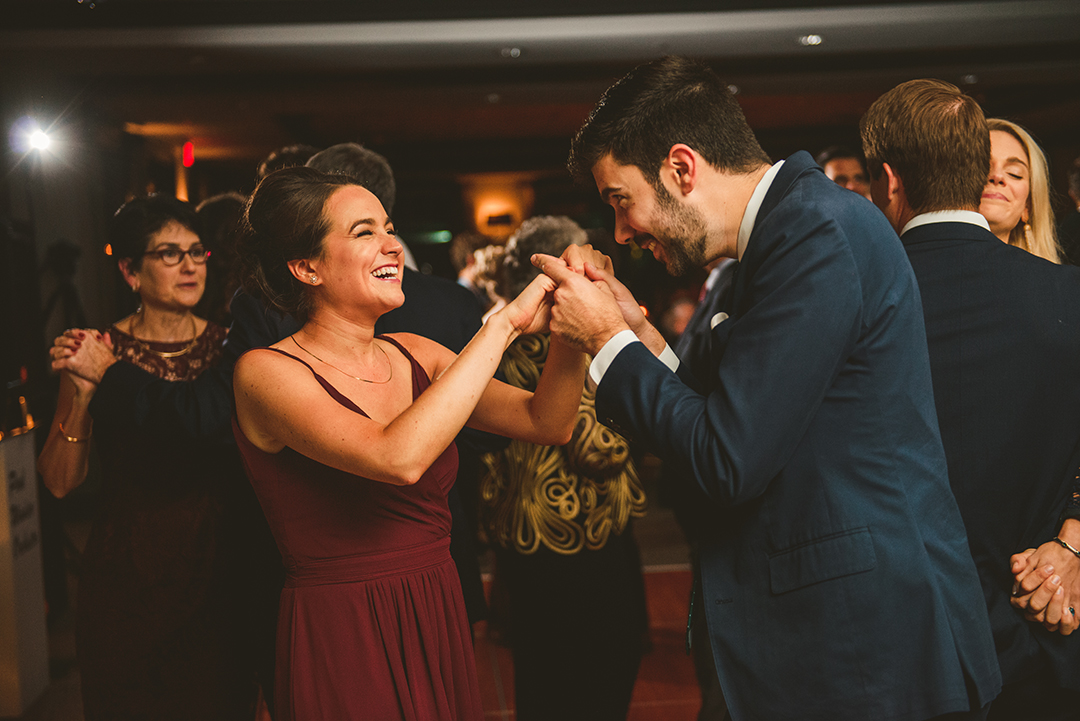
x=372, y=622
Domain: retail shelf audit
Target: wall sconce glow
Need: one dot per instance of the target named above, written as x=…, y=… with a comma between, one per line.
x=39, y=140
x=808, y=40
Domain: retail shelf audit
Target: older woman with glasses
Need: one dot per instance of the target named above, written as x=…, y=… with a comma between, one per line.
x=155, y=611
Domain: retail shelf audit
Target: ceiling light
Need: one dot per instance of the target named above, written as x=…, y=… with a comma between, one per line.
x=39, y=140
x=809, y=40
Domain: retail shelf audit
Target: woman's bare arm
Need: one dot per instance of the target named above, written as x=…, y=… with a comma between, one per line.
x=279, y=403
x=65, y=458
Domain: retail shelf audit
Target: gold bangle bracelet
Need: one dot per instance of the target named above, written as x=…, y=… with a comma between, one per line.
x=1067, y=546
x=71, y=439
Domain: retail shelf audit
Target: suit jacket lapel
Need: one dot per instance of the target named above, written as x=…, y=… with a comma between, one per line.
x=789, y=172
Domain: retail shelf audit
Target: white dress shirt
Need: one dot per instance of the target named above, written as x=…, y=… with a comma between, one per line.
x=946, y=216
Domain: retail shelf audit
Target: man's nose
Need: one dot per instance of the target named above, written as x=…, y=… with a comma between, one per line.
x=624, y=232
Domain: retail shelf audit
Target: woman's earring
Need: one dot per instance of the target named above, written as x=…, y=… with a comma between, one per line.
x=135, y=287
x=313, y=278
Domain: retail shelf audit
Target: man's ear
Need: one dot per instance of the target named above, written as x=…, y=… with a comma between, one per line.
x=896, y=183
x=304, y=271
x=681, y=166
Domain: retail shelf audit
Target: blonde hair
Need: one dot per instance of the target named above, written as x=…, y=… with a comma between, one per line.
x=1038, y=235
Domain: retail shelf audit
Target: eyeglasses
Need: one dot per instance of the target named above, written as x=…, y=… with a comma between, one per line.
x=173, y=256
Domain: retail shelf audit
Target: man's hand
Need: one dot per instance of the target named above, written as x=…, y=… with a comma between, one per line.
x=1047, y=587
x=84, y=354
x=585, y=315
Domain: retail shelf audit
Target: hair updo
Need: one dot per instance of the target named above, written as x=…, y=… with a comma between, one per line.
x=285, y=220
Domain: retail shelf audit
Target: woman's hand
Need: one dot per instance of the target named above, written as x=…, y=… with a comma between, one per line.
x=84, y=355
x=531, y=310
x=1047, y=587
x=576, y=256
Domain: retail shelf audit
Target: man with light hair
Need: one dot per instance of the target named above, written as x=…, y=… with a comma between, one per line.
x=1003, y=330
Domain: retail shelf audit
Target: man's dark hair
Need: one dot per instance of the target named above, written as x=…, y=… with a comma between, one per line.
x=366, y=167
x=661, y=103
x=935, y=138
x=287, y=157
x=839, y=151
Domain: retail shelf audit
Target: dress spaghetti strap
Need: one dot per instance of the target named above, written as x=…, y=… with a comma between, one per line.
x=327, y=386
x=420, y=379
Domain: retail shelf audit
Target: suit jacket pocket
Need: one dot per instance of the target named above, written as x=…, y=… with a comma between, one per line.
x=838, y=555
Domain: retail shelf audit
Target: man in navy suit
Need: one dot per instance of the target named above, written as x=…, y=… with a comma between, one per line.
x=1003, y=328
x=836, y=577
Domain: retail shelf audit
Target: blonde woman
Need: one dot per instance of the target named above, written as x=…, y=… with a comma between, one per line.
x=1016, y=200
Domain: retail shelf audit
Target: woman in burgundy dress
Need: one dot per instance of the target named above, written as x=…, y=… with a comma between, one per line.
x=349, y=445
x=155, y=612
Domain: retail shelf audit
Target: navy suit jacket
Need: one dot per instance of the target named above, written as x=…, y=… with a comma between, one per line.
x=837, y=579
x=1003, y=328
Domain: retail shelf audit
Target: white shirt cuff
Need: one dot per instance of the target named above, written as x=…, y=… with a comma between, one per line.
x=603, y=360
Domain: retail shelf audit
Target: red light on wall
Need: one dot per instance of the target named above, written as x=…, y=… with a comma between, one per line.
x=108, y=249
x=189, y=154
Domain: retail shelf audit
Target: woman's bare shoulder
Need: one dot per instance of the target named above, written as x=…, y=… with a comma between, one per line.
x=269, y=363
x=427, y=352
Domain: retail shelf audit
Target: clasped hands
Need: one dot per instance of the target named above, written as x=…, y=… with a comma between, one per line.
x=1047, y=584
x=589, y=304
x=85, y=354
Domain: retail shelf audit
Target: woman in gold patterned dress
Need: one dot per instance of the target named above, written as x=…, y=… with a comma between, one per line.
x=558, y=518
x=155, y=612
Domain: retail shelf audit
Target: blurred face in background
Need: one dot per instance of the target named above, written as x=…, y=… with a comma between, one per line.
x=1005, y=197
x=170, y=287
x=849, y=173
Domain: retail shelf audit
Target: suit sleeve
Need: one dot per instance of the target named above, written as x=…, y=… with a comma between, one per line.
x=799, y=322
x=199, y=410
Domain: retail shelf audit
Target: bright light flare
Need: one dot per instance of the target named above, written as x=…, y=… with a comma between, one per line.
x=26, y=135
x=40, y=140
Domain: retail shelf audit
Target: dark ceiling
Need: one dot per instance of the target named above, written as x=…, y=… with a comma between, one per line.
x=476, y=86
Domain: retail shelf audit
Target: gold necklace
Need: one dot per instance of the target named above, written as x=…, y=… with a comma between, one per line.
x=162, y=353
x=365, y=380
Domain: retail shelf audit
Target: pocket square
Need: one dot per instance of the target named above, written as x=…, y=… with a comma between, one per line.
x=717, y=320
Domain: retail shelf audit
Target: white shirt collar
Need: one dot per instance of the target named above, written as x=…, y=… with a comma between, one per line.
x=752, y=208
x=947, y=216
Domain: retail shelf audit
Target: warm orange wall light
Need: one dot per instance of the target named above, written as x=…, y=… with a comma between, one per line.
x=498, y=202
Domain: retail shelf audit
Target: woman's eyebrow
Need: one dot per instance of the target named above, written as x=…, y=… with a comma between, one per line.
x=365, y=221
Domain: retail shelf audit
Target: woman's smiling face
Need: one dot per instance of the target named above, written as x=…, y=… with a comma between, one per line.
x=1005, y=197
x=361, y=259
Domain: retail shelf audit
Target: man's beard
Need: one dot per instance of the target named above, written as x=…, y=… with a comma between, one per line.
x=682, y=236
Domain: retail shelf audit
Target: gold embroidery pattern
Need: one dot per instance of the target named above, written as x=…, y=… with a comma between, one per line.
x=565, y=498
